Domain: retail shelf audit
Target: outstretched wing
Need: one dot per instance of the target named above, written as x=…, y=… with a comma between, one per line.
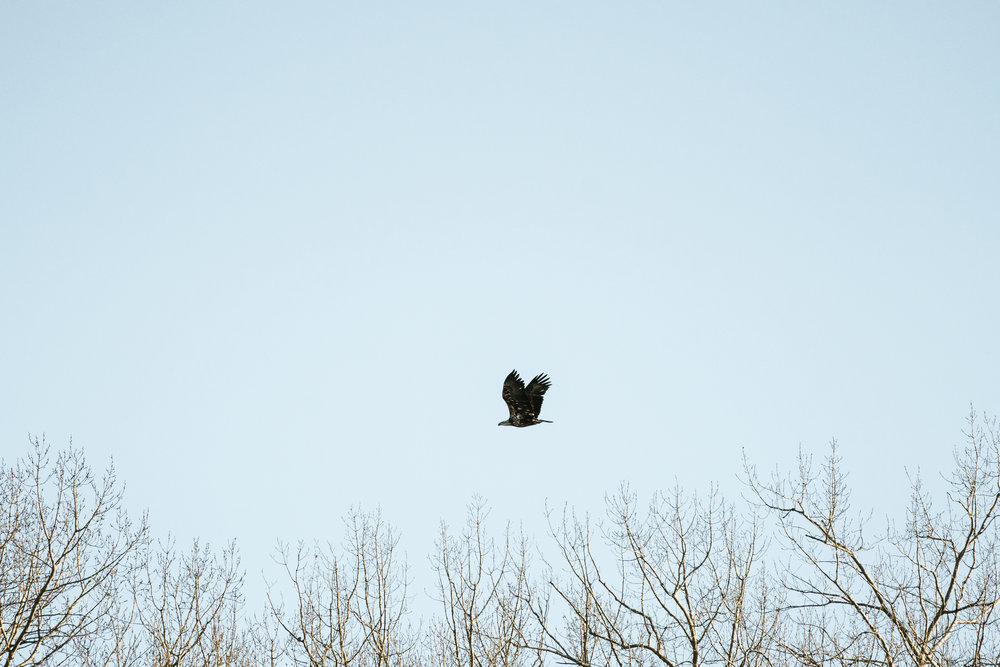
x=536, y=390
x=514, y=396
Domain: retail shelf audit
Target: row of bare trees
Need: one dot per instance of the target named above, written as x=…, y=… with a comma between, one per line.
x=790, y=576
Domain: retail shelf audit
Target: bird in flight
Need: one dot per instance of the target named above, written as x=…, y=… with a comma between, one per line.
x=523, y=402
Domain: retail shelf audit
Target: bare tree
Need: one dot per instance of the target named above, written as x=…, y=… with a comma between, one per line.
x=922, y=593
x=121, y=645
x=65, y=548
x=264, y=643
x=190, y=607
x=680, y=585
x=483, y=590
x=348, y=610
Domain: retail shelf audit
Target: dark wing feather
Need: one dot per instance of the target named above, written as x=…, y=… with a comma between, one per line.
x=536, y=390
x=514, y=396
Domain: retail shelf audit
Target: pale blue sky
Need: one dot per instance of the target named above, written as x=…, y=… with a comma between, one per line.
x=277, y=258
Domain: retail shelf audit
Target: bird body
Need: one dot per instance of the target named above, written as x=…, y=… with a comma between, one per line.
x=524, y=403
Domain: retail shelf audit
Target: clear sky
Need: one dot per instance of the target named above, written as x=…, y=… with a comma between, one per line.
x=276, y=258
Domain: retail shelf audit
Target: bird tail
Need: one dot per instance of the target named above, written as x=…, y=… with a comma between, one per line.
x=547, y=421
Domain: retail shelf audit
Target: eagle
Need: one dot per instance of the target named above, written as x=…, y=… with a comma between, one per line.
x=523, y=402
